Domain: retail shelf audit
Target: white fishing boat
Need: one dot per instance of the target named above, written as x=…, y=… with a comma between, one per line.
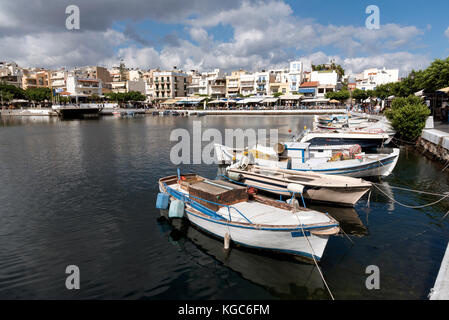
x=345, y=191
x=227, y=211
x=367, y=138
x=298, y=156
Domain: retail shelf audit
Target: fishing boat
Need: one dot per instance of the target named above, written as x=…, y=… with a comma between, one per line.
x=236, y=214
x=298, y=156
x=369, y=138
x=344, y=191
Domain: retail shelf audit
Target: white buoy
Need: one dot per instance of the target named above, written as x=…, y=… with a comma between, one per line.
x=227, y=240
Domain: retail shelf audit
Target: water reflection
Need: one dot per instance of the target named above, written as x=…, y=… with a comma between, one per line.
x=281, y=275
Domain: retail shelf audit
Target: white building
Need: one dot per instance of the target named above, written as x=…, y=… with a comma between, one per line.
x=248, y=84
x=325, y=77
x=10, y=73
x=83, y=86
x=295, y=75
x=211, y=83
x=371, y=78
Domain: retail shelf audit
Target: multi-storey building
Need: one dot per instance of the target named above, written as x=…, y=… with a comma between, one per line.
x=207, y=83
x=295, y=75
x=279, y=82
x=35, y=78
x=58, y=80
x=10, y=73
x=371, y=78
x=170, y=84
x=83, y=86
x=233, y=83
x=247, y=84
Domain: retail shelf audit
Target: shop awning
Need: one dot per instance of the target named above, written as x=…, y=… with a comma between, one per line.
x=270, y=100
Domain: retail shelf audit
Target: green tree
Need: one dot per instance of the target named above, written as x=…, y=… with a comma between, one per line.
x=408, y=116
x=38, y=94
x=338, y=95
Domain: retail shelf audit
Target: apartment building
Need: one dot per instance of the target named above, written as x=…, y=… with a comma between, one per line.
x=83, y=86
x=233, y=83
x=369, y=79
x=279, y=82
x=10, y=73
x=170, y=84
x=58, y=80
x=35, y=78
x=295, y=75
x=211, y=83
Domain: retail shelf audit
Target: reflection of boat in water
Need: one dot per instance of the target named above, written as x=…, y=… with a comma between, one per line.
x=283, y=277
x=348, y=218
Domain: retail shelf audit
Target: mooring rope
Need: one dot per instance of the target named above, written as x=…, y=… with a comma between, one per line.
x=409, y=206
x=412, y=190
x=314, y=260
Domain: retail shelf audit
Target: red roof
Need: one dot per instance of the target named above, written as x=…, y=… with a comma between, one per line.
x=310, y=84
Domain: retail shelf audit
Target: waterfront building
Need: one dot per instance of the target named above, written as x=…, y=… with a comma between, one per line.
x=58, y=80
x=10, y=73
x=35, y=78
x=295, y=75
x=233, y=83
x=279, y=82
x=369, y=79
x=207, y=83
x=309, y=89
x=247, y=84
x=93, y=72
x=262, y=84
x=170, y=84
x=83, y=87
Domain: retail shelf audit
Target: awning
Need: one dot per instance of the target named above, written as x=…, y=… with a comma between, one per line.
x=270, y=100
x=170, y=101
x=251, y=100
x=419, y=93
x=315, y=100
x=334, y=101
x=290, y=97
x=445, y=90
x=306, y=90
x=216, y=101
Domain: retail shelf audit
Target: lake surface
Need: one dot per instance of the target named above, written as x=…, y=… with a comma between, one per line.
x=83, y=193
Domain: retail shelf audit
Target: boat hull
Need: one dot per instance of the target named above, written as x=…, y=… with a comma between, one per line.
x=289, y=241
x=343, y=196
x=305, y=241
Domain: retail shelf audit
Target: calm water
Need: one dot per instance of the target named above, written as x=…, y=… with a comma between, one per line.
x=83, y=193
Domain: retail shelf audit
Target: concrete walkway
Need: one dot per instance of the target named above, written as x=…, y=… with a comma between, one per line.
x=440, y=290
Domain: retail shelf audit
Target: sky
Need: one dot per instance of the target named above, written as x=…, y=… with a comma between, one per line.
x=207, y=34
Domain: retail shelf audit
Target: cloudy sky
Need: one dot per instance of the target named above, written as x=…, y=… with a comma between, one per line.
x=229, y=34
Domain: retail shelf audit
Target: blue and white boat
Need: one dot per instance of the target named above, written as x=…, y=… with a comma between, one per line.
x=229, y=212
x=300, y=157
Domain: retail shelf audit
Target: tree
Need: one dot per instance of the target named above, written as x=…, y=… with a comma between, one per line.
x=38, y=94
x=338, y=95
x=408, y=116
x=359, y=95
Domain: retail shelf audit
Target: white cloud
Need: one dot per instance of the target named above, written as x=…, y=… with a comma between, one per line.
x=265, y=34
x=446, y=33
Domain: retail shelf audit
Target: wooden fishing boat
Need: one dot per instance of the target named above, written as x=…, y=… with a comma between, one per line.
x=298, y=156
x=339, y=190
x=228, y=211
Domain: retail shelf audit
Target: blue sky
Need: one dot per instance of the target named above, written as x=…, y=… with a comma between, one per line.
x=204, y=34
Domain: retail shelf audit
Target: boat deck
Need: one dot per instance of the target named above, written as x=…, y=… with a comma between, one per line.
x=263, y=214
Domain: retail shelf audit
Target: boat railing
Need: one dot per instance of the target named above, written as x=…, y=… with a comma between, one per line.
x=196, y=205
